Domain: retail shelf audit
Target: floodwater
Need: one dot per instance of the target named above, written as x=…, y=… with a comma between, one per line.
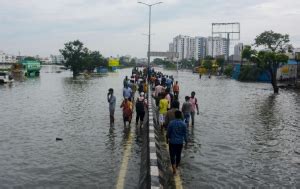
x=245, y=136
x=37, y=110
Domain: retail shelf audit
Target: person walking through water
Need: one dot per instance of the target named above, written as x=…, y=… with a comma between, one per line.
x=111, y=99
x=176, y=89
x=127, y=111
x=140, y=109
x=186, y=110
x=176, y=135
x=194, y=102
x=163, y=108
x=127, y=92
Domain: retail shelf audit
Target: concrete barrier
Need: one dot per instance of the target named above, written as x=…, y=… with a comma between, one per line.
x=154, y=170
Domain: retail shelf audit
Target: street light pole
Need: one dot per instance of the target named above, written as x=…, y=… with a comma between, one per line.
x=149, y=36
x=149, y=42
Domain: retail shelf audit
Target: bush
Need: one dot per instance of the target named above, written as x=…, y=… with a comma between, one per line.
x=228, y=70
x=249, y=73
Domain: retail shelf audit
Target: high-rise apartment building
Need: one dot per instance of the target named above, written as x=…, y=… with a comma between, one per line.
x=181, y=45
x=188, y=47
x=238, y=48
x=216, y=46
x=200, y=48
x=192, y=48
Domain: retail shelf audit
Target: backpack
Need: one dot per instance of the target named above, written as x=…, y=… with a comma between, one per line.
x=172, y=97
x=141, y=88
x=139, y=106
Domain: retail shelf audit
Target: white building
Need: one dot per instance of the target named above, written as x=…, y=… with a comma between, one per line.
x=181, y=45
x=7, y=58
x=56, y=59
x=171, y=47
x=2, y=57
x=238, y=49
x=216, y=46
x=200, y=48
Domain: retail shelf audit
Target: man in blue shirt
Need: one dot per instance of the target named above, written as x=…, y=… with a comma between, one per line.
x=177, y=133
x=127, y=92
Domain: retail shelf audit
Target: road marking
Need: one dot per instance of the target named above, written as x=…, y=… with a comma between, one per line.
x=124, y=165
x=178, y=181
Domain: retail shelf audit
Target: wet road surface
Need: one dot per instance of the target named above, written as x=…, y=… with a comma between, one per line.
x=37, y=110
x=245, y=136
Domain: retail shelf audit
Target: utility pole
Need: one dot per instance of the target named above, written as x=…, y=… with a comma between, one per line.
x=149, y=35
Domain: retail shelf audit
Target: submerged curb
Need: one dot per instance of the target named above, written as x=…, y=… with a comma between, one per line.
x=154, y=170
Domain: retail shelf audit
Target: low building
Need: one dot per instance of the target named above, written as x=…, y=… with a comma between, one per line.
x=7, y=58
x=2, y=57
x=56, y=59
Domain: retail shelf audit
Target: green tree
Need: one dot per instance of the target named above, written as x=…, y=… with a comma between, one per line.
x=275, y=42
x=271, y=59
x=228, y=70
x=30, y=58
x=248, y=52
x=220, y=61
x=93, y=59
x=158, y=61
x=207, y=64
x=74, y=54
x=132, y=62
x=208, y=57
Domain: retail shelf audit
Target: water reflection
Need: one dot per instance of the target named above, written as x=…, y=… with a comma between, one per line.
x=244, y=137
x=56, y=105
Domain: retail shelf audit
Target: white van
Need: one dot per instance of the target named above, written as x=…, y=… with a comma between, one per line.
x=5, y=78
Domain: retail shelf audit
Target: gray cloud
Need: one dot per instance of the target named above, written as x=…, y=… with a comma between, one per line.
x=116, y=26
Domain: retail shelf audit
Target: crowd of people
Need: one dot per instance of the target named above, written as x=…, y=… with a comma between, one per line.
x=137, y=83
x=165, y=91
x=171, y=118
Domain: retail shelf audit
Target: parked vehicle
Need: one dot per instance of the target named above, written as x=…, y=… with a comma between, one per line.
x=5, y=78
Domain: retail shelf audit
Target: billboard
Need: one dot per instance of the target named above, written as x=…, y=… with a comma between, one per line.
x=113, y=62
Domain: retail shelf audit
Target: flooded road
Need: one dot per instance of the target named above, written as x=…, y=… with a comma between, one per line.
x=245, y=136
x=36, y=111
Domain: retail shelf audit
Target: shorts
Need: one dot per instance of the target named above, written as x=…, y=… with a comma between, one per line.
x=111, y=112
x=161, y=119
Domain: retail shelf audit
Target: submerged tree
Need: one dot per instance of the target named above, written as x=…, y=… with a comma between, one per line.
x=248, y=52
x=74, y=54
x=270, y=59
x=92, y=60
x=80, y=58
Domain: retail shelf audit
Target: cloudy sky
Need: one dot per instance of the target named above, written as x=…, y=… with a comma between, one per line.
x=118, y=27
